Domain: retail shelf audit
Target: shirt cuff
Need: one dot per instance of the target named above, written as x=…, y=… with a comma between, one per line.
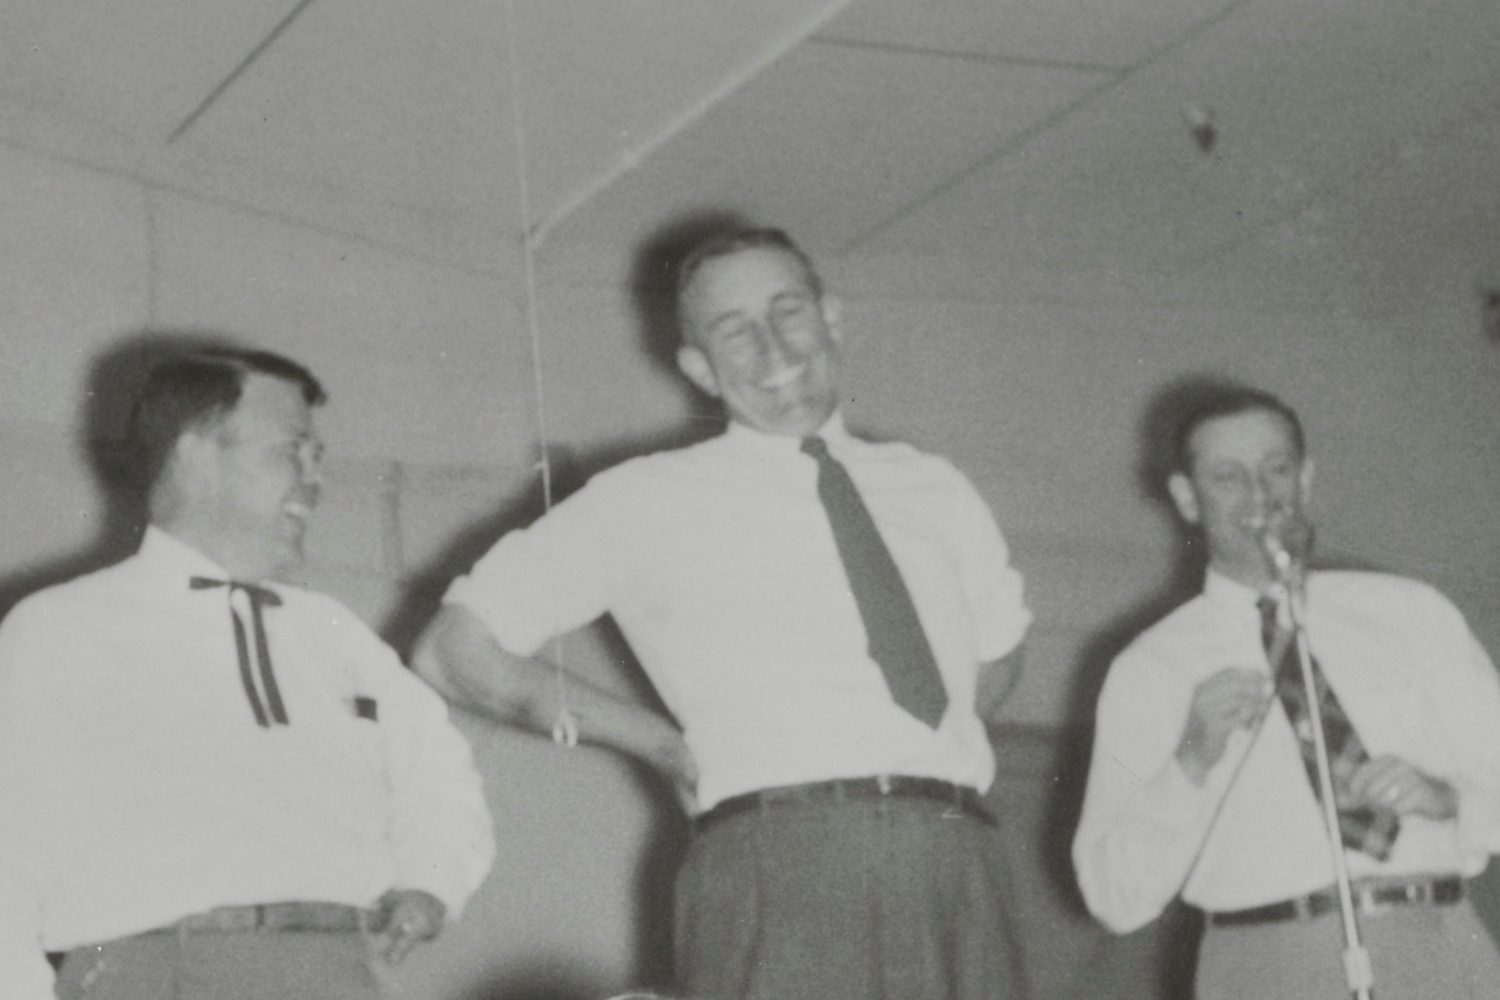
x=1478, y=818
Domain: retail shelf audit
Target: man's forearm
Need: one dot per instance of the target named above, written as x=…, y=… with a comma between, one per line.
x=459, y=658
x=996, y=683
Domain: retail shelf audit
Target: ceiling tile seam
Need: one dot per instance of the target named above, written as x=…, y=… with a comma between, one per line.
x=991, y=59
x=1011, y=144
x=234, y=74
x=1376, y=166
x=147, y=182
x=152, y=224
x=1170, y=299
x=629, y=159
x=132, y=148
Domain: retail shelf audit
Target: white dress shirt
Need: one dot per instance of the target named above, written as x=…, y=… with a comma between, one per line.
x=718, y=564
x=137, y=787
x=1406, y=669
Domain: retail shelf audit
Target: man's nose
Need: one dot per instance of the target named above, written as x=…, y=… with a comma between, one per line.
x=774, y=347
x=1260, y=497
x=310, y=471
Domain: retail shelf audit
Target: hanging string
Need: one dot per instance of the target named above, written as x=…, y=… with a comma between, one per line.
x=565, y=729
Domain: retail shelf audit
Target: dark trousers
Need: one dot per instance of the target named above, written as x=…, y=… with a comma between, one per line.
x=217, y=965
x=892, y=899
x=1418, y=953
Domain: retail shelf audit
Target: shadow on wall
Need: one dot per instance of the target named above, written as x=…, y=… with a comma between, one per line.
x=1156, y=961
x=541, y=979
x=653, y=277
x=655, y=872
x=653, y=294
x=653, y=290
x=114, y=378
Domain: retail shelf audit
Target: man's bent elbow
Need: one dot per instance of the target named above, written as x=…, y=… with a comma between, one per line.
x=1120, y=910
x=461, y=660
x=427, y=659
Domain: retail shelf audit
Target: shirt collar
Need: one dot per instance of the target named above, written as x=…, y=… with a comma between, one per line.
x=741, y=436
x=1224, y=592
x=1221, y=590
x=169, y=555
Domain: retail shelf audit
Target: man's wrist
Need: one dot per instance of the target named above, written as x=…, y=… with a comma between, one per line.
x=1447, y=799
x=1192, y=765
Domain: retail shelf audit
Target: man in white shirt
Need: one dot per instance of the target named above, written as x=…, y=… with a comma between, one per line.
x=1200, y=784
x=215, y=784
x=832, y=709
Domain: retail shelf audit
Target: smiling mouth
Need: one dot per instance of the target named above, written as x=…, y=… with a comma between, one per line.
x=298, y=511
x=782, y=379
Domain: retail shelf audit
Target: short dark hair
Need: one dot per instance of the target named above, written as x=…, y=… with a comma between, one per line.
x=193, y=389
x=1228, y=401
x=732, y=241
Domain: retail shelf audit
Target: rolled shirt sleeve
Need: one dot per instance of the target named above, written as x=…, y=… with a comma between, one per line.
x=562, y=572
x=1466, y=708
x=1411, y=677
x=24, y=971
x=1143, y=821
x=31, y=757
x=440, y=831
x=993, y=586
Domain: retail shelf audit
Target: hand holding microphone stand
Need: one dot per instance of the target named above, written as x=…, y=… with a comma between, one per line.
x=1288, y=568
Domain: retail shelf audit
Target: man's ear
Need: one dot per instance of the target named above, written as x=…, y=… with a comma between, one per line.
x=1184, y=497
x=1305, y=481
x=694, y=364
x=833, y=316
x=192, y=456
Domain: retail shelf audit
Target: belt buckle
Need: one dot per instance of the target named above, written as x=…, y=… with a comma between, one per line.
x=956, y=807
x=883, y=784
x=1371, y=903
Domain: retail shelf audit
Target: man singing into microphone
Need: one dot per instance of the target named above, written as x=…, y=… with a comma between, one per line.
x=1203, y=780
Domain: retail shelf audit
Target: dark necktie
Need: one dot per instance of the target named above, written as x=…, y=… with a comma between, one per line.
x=1367, y=829
x=273, y=711
x=896, y=640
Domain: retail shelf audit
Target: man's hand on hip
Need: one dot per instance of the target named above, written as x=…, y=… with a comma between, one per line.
x=411, y=916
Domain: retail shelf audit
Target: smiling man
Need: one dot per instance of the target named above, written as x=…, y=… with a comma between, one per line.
x=215, y=784
x=1202, y=781
x=830, y=621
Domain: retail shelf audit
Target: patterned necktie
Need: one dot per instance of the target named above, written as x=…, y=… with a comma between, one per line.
x=1372, y=830
x=273, y=712
x=896, y=640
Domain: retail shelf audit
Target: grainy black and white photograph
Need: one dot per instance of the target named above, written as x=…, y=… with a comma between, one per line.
x=782, y=500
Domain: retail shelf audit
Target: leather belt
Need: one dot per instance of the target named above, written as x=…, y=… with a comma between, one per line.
x=292, y=916
x=1369, y=898
x=960, y=799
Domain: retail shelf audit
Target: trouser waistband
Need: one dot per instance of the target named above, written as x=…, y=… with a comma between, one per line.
x=1369, y=898
x=287, y=916
x=961, y=799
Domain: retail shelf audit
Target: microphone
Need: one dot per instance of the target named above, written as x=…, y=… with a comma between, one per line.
x=1286, y=538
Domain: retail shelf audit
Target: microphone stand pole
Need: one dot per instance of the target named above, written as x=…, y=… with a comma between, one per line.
x=1358, y=974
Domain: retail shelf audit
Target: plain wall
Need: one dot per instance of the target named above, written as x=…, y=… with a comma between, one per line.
x=432, y=432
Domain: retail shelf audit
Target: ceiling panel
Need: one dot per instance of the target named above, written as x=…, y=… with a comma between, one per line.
x=1042, y=137
x=382, y=119
x=398, y=101
x=1099, y=33
x=1426, y=224
x=1308, y=99
x=832, y=139
x=136, y=67
x=606, y=82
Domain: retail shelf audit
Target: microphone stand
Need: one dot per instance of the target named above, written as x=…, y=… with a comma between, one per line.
x=1358, y=974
